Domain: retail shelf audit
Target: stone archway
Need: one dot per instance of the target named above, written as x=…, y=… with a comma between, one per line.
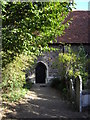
x=40, y=72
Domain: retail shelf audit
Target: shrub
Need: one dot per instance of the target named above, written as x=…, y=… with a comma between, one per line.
x=27, y=85
x=59, y=84
x=14, y=95
x=88, y=66
x=13, y=75
x=55, y=82
x=71, y=64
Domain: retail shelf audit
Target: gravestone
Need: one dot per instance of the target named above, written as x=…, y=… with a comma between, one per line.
x=79, y=93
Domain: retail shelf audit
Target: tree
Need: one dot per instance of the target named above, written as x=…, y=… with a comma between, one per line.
x=29, y=26
x=27, y=29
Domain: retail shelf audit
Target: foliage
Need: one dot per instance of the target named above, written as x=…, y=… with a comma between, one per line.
x=14, y=95
x=13, y=74
x=88, y=66
x=28, y=27
x=55, y=82
x=71, y=64
x=28, y=85
x=59, y=85
x=17, y=93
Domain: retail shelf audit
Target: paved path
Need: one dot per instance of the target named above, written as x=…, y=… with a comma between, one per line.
x=43, y=102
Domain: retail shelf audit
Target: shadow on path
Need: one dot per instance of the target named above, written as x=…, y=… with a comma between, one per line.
x=42, y=102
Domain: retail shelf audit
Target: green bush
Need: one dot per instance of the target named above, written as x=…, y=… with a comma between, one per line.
x=59, y=84
x=27, y=85
x=72, y=64
x=55, y=82
x=14, y=95
x=88, y=66
x=13, y=75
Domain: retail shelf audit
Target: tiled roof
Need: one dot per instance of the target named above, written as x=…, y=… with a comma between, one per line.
x=79, y=29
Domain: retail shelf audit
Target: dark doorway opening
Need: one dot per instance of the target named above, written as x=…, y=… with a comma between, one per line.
x=40, y=72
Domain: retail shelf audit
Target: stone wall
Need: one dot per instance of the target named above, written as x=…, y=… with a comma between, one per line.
x=48, y=58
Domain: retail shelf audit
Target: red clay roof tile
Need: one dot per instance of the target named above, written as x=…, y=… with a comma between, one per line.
x=79, y=29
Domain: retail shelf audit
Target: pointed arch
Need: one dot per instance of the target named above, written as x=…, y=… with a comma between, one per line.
x=41, y=72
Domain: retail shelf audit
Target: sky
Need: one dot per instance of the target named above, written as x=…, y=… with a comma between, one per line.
x=82, y=4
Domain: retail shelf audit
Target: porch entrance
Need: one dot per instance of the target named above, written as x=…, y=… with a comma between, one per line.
x=40, y=73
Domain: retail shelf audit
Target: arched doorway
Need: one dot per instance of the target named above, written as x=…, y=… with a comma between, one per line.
x=40, y=72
